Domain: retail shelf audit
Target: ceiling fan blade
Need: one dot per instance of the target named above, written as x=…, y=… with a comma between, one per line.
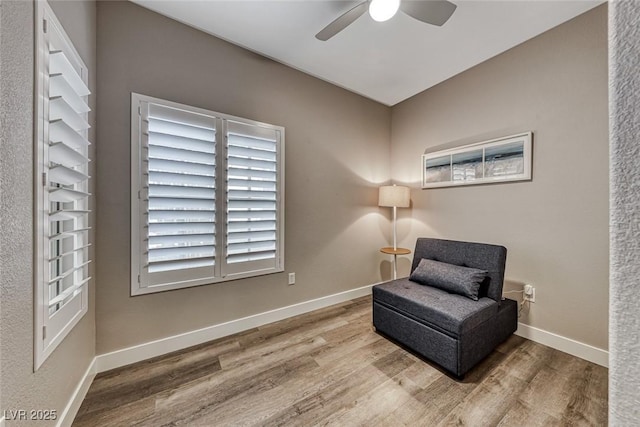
x=342, y=22
x=434, y=12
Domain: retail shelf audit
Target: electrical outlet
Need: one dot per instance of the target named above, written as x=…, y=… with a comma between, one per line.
x=529, y=293
x=292, y=278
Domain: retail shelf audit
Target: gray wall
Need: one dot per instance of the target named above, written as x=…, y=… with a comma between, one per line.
x=52, y=385
x=337, y=149
x=556, y=226
x=624, y=81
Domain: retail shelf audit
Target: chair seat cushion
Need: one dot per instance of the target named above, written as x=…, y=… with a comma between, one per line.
x=451, y=314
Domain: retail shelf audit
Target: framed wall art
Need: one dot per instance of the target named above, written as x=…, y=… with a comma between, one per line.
x=497, y=160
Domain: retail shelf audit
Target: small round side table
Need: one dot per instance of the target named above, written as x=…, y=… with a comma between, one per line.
x=395, y=252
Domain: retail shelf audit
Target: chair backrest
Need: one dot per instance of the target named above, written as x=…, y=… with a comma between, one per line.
x=467, y=254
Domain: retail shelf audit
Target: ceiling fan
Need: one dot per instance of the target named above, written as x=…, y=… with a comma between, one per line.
x=434, y=12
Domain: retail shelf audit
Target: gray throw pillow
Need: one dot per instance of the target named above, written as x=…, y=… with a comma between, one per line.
x=448, y=277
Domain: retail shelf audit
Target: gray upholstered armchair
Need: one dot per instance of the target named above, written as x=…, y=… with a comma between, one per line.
x=451, y=309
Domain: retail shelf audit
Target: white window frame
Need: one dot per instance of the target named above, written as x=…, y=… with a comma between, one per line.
x=51, y=329
x=140, y=281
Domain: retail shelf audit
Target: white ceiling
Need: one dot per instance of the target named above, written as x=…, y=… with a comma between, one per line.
x=388, y=62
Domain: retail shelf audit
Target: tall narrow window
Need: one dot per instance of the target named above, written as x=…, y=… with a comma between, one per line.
x=176, y=199
x=200, y=216
x=253, y=197
x=62, y=174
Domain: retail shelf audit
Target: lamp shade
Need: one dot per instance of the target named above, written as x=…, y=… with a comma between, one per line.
x=393, y=195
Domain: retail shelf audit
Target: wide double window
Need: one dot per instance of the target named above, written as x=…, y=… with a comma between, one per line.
x=207, y=196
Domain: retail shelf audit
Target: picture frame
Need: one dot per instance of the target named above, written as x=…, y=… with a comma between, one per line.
x=505, y=159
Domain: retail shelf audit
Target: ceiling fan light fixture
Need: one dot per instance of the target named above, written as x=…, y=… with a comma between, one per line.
x=383, y=10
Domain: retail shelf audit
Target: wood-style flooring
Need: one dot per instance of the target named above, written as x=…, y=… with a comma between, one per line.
x=328, y=367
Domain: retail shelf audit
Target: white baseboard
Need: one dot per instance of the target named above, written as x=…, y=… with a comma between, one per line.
x=71, y=410
x=564, y=344
x=126, y=356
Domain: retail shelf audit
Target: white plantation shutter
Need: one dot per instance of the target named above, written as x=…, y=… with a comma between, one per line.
x=177, y=196
x=63, y=198
x=202, y=212
x=253, y=198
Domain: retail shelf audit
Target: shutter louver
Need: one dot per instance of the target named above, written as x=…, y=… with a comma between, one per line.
x=252, y=199
x=180, y=175
x=67, y=181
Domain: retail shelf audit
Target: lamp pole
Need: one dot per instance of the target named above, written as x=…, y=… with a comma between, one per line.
x=395, y=246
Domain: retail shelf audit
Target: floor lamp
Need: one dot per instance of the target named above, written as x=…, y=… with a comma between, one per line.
x=394, y=196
